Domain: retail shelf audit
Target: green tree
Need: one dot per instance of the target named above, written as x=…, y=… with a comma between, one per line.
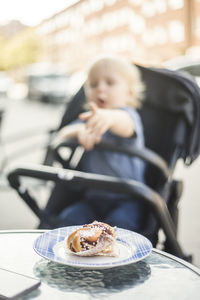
x=2, y=53
x=20, y=50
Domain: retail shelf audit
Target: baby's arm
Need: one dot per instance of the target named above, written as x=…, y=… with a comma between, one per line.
x=118, y=121
x=68, y=131
x=79, y=131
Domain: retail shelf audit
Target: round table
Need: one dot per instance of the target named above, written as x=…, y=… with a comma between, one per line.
x=158, y=276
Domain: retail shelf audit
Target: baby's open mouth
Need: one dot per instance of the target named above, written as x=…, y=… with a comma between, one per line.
x=101, y=102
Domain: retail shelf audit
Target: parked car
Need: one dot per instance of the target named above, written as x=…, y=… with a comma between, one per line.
x=5, y=84
x=47, y=84
x=193, y=69
x=185, y=64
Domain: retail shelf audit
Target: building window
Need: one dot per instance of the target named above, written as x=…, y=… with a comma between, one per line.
x=137, y=24
x=136, y=2
x=197, y=27
x=85, y=8
x=124, y=16
x=76, y=20
x=109, y=21
x=109, y=2
x=175, y=4
x=119, y=43
x=155, y=36
x=160, y=35
x=96, y=5
x=148, y=9
x=176, y=31
x=160, y=6
x=148, y=38
x=93, y=27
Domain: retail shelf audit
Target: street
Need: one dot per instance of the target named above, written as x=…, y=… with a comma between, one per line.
x=26, y=124
x=24, y=135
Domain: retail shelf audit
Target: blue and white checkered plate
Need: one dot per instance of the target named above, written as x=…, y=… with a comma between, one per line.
x=132, y=246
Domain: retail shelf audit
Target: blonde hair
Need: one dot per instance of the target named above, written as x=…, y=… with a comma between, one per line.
x=129, y=72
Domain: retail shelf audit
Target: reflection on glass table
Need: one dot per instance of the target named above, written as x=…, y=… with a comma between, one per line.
x=158, y=276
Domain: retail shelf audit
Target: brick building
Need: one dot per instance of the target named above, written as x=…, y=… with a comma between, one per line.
x=146, y=31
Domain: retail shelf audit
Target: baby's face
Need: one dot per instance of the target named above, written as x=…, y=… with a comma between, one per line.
x=107, y=88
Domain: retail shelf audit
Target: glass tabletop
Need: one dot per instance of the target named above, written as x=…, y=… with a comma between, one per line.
x=158, y=276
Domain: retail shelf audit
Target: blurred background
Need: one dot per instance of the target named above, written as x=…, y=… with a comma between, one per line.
x=45, y=47
x=49, y=44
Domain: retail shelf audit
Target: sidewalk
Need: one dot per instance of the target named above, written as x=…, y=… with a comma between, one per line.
x=189, y=222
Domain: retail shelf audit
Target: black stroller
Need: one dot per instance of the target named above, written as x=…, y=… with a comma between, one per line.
x=171, y=119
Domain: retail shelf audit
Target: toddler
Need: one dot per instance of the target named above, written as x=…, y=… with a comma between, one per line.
x=113, y=89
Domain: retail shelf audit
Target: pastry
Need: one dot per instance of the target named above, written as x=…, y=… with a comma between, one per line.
x=92, y=239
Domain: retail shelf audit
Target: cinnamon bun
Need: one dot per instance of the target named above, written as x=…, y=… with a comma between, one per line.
x=93, y=239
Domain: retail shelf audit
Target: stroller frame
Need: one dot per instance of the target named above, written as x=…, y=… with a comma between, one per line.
x=163, y=207
x=108, y=183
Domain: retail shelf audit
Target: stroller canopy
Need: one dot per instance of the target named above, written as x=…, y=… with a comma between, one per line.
x=179, y=93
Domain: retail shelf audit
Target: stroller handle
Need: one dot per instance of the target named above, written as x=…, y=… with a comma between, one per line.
x=144, y=153
x=77, y=178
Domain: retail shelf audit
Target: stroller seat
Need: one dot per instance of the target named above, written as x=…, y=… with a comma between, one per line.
x=170, y=115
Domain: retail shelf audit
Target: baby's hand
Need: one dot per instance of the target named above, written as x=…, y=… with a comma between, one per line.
x=69, y=131
x=98, y=120
x=87, y=139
